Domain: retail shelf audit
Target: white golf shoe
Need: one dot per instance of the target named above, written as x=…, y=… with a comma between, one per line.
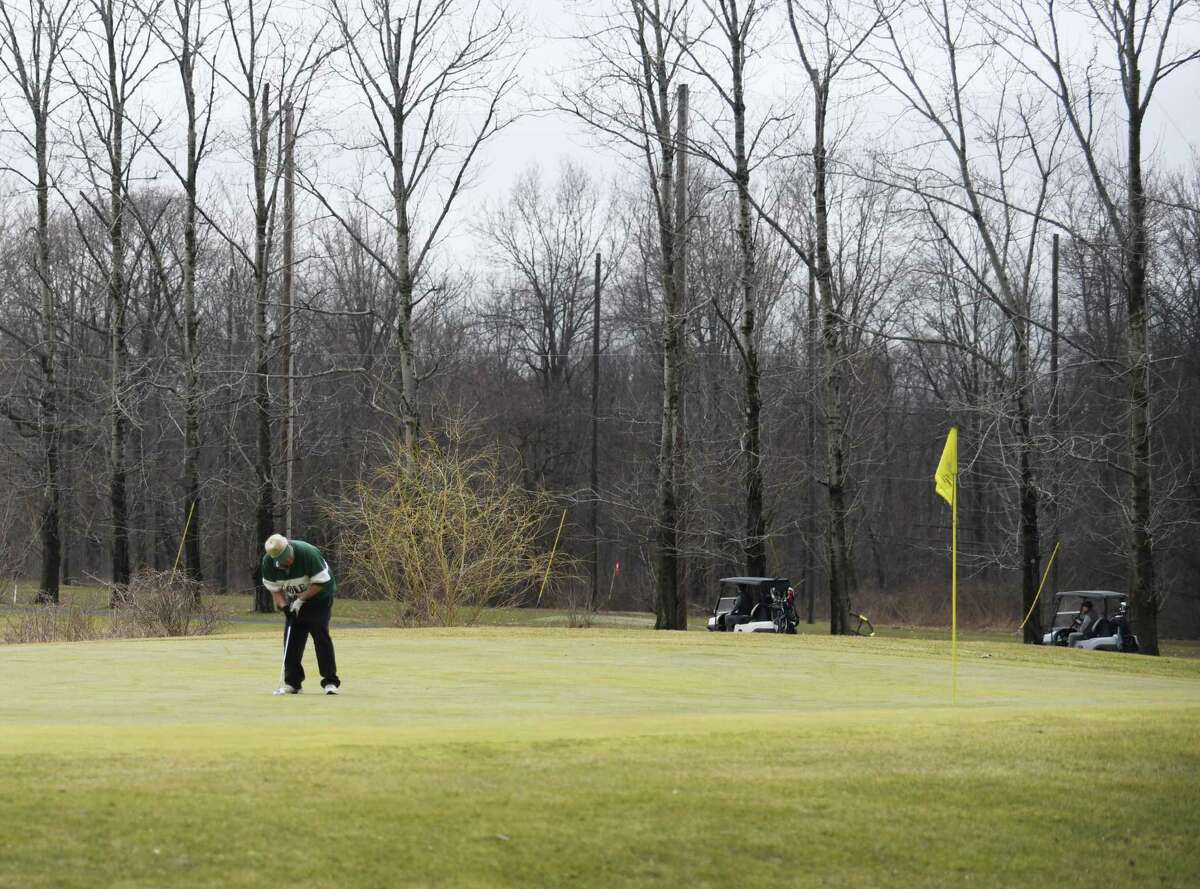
x=331, y=689
x=286, y=689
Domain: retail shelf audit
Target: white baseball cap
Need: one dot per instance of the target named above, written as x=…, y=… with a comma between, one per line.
x=276, y=546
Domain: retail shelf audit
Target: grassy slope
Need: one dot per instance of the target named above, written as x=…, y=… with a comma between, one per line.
x=524, y=757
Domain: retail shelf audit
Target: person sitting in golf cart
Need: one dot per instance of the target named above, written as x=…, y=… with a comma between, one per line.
x=1082, y=625
x=746, y=600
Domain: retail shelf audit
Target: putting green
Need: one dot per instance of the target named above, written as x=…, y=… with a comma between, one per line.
x=525, y=757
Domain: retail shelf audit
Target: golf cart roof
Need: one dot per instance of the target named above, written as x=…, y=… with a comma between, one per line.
x=1093, y=594
x=740, y=581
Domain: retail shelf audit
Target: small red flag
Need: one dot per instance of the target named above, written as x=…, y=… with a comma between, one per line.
x=617, y=570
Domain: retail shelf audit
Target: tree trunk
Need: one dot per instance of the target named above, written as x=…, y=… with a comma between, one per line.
x=679, y=279
x=191, y=411
x=51, y=524
x=668, y=592
x=118, y=349
x=410, y=417
x=833, y=392
x=1142, y=592
x=755, y=552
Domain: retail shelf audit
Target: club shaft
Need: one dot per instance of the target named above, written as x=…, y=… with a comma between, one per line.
x=287, y=638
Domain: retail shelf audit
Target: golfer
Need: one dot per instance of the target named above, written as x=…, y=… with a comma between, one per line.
x=303, y=587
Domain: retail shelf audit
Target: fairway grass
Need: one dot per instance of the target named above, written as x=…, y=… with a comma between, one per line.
x=519, y=757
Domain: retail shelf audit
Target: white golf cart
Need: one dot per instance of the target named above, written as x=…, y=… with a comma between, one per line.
x=1111, y=629
x=754, y=605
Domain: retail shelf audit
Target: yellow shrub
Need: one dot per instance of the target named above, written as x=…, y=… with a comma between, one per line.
x=443, y=530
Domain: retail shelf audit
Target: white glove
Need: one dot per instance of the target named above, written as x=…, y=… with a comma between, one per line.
x=297, y=603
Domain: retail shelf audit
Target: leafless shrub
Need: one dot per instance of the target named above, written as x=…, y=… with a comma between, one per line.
x=162, y=603
x=51, y=623
x=980, y=607
x=443, y=530
x=573, y=597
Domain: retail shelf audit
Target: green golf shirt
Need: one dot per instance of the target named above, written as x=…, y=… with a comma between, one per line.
x=307, y=568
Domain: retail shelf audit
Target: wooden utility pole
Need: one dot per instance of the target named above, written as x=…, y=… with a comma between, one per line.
x=1054, y=406
x=264, y=464
x=289, y=257
x=227, y=449
x=810, y=570
x=594, y=480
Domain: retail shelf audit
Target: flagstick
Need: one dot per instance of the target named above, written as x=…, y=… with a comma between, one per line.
x=954, y=585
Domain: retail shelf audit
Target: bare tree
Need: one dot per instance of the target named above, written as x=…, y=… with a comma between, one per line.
x=184, y=34
x=434, y=93
x=723, y=63
x=1001, y=160
x=827, y=39
x=1139, y=39
x=544, y=240
x=31, y=48
x=625, y=95
x=112, y=62
x=266, y=54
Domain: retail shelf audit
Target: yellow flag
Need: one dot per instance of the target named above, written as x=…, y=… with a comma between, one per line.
x=946, y=477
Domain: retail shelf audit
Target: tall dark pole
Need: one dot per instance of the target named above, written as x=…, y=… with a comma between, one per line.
x=232, y=347
x=810, y=570
x=289, y=258
x=1054, y=406
x=594, y=481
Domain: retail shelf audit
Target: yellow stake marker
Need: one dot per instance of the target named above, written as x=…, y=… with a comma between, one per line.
x=553, y=550
x=179, y=552
x=1045, y=574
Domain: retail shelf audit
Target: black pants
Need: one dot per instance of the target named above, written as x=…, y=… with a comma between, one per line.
x=313, y=620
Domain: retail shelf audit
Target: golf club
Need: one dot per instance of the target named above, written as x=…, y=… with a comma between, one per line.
x=287, y=638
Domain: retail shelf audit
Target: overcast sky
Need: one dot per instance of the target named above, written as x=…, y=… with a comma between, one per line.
x=1172, y=130
x=546, y=137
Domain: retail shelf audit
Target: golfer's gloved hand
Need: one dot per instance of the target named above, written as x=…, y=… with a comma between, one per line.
x=297, y=603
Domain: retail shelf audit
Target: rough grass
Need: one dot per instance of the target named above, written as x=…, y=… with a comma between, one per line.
x=524, y=757
x=50, y=623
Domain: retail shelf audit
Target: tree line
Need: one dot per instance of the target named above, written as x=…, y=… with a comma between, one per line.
x=243, y=258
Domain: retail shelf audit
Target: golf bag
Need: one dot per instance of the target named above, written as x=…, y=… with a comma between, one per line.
x=1126, y=641
x=783, y=612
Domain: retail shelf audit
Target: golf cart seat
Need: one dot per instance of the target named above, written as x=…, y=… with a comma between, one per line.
x=1101, y=628
x=1100, y=643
